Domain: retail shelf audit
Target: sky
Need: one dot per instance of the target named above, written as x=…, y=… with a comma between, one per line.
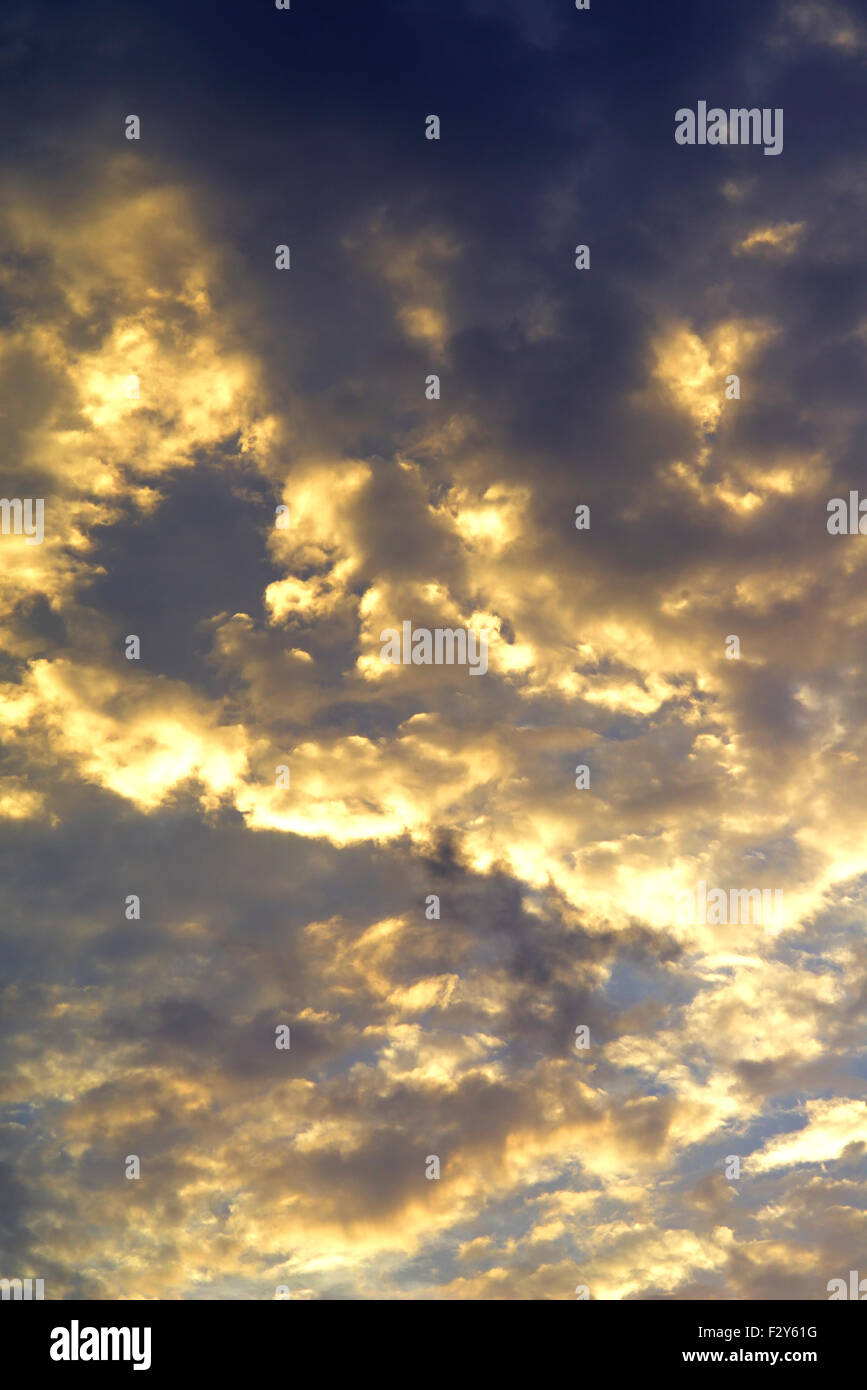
x=481, y=960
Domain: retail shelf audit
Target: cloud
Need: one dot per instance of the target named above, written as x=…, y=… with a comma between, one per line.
x=305, y=903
